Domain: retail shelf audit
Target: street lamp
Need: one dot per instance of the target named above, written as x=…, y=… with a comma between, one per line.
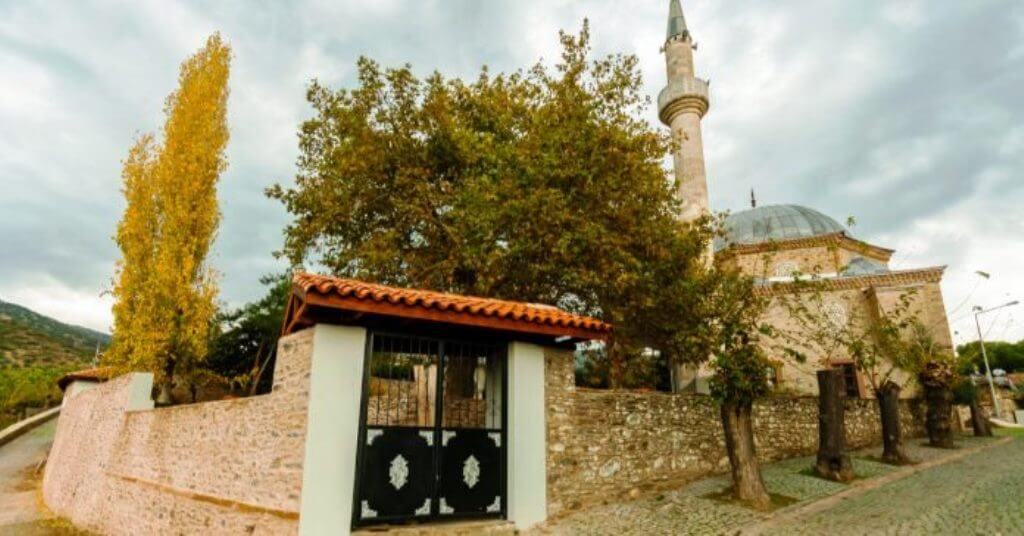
x=978, y=311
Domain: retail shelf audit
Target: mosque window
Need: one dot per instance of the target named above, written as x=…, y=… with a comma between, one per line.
x=850, y=379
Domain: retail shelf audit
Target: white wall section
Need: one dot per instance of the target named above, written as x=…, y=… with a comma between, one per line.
x=335, y=396
x=527, y=465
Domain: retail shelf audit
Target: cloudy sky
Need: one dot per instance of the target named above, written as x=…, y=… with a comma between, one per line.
x=907, y=115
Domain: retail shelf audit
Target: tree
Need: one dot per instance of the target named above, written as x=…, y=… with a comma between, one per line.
x=540, y=186
x=882, y=345
x=1001, y=355
x=245, y=341
x=965, y=393
x=730, y=330
x=937, y=378
x=165, y=291
x=536, y=186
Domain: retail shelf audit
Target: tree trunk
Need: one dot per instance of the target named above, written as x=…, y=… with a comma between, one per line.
x=615, y=371
x=888, y=396
x=165, y=396
x=737, y=422
x=940, y=404
x=833, y=460
x=979, y=421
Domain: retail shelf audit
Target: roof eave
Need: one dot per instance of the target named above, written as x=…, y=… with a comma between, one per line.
x=386, y=308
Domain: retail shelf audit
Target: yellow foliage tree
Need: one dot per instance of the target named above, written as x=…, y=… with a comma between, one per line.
x=165, y=291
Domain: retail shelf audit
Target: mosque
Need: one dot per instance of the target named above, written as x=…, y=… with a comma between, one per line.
x=775, y=243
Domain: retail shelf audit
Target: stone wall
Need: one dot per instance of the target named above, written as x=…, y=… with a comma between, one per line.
x=604, y=445
x=229, y=467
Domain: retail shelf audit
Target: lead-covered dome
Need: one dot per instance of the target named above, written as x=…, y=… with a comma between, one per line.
x=774, y=223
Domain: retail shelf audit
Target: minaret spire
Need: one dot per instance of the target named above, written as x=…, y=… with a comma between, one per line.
x=676, y=21
x=681, y=106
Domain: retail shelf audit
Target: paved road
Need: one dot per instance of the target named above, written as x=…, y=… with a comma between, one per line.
x=980, y=494
x=18, y=460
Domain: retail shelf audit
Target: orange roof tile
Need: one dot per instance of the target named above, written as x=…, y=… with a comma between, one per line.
x=99, y=374
x=361, y=297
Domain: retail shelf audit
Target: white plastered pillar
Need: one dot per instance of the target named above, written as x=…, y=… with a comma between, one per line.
x=527, y=462
x=332, y=429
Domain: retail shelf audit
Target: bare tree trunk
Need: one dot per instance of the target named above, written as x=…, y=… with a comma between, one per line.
x=979, y=421
x=888, y=396
x=737, y=422
x=940, y=405
x=615, y=371
x=165, y=396
x=833, y=460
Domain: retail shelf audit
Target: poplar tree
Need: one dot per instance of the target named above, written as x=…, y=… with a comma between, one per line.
x=165, y=290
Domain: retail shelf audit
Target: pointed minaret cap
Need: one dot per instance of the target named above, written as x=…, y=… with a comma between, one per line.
x=676, y=22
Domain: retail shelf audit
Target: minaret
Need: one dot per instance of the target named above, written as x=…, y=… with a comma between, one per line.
x=681, y=105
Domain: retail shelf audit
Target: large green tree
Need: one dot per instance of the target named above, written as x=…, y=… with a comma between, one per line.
x=1008, y=356
x=544, y=185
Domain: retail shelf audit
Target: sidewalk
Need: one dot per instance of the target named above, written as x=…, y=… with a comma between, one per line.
x=694, y=509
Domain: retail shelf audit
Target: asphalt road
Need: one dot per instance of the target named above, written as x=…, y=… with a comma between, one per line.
x=18, y=461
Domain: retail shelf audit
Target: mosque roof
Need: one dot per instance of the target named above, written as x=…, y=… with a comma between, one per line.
x=773, y=223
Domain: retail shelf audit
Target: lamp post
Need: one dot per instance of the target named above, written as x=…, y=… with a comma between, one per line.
x=978, y=311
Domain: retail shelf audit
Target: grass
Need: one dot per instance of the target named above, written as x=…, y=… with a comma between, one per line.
x=1008, y=432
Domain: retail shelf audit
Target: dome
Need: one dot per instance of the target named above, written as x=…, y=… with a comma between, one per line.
x=862, y=266
x=775, y=222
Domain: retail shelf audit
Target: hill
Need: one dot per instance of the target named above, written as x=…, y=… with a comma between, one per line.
x=28, y=339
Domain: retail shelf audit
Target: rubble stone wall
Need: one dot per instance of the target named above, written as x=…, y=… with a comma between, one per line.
x=607, y=444
x=227, y=467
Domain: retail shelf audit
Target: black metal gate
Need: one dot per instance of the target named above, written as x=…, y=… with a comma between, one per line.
x=432, y=439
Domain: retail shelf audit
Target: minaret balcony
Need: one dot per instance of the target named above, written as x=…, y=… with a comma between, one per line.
x=687, y=94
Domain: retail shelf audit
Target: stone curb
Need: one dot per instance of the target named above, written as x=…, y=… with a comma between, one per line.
x=19, y=428
x=858, y=488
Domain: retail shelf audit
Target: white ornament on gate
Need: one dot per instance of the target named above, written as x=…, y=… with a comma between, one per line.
x=367, y=512
x=471, y=471
x=399, y=472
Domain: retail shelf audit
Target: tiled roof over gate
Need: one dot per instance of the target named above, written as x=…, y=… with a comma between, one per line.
x=311, y=290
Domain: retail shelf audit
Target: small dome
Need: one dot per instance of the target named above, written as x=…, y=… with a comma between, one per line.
x=773, y=223
x=862, y=266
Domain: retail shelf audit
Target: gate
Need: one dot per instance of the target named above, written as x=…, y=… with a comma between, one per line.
x=432, y=436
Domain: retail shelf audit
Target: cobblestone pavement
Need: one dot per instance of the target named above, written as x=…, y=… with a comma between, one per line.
x=980, y=494
x=692, y=510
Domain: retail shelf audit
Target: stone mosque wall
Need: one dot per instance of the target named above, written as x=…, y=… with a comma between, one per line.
x=605, y=445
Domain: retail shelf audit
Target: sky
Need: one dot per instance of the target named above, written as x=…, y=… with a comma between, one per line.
x=905, y=115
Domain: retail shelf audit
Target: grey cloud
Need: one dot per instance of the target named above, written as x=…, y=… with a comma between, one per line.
x=897, y=113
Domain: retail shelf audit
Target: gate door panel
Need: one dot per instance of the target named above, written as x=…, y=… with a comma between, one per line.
x=432, y=436
x=472, y=469
x=397, y=457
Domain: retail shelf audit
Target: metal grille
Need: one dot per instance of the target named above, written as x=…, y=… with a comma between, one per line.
x=472, y=388
x=403, y=373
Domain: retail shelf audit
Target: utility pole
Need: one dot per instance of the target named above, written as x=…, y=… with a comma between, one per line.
x=978, y=311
